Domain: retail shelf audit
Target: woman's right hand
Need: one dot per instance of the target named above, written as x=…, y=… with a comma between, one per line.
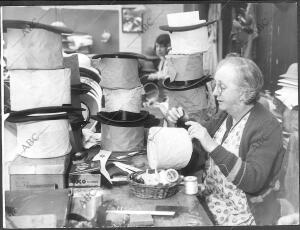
x=174, y=114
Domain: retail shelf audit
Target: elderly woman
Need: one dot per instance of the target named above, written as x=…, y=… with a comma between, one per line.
x=244, y=147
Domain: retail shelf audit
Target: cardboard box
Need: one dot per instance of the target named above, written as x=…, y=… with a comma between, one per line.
x=84, y=174
x=26, y=173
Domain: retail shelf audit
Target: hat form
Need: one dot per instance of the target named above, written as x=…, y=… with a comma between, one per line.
x=121, y=139
x=184, y=72
x=292, y=72
x=122, y=99
x=118, y=73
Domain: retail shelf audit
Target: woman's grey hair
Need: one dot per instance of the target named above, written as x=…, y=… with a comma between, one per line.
x=251, y=77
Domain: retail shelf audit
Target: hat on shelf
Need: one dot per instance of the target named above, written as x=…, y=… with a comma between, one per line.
x=188, y=33
x=118, y=70
x=288, y=92
x=184, y=21
x=184, y=72
x=291, y=74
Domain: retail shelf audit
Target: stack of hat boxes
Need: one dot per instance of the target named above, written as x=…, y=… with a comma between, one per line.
x=37, y=79
x=185, y=80
x=120, y=116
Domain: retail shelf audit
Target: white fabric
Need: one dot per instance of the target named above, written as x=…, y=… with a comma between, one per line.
x=33, y=49
x=189, y=42
x=168, y=148
x=43, y=139
x=184, y=19
x=39, y=88
x=123, y=99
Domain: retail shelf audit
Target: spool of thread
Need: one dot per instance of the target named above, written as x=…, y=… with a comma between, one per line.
x=190, y=185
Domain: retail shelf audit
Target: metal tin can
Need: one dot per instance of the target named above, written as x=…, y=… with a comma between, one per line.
x=190, y=185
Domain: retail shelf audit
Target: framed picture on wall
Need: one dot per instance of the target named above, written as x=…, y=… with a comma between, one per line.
x=132, y=21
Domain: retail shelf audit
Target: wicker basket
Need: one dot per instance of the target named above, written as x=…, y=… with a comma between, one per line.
x=152, y=191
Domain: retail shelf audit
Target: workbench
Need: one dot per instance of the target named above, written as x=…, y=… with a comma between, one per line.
x=189, y=212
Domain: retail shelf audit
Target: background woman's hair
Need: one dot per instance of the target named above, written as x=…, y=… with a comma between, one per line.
x=163, y=39
x=251, y=77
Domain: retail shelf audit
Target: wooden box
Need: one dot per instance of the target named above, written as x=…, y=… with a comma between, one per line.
x=26, y=173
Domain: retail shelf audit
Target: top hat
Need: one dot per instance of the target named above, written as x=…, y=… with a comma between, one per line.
x=119, y=70
x=184, y=21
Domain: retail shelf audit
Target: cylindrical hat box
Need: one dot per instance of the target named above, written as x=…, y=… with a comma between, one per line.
x=122, y=139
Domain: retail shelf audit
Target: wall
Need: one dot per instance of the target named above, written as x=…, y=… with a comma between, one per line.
x=91, y=21
x=277, y=41
x=155, y=16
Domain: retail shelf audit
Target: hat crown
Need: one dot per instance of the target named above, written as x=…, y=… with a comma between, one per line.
x=184, y=19
x=292, y=71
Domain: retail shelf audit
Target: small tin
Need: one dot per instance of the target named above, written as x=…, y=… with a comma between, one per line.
x=190, y=185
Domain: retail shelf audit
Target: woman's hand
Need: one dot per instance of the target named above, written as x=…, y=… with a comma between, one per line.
x=199, y=132
x=174, y=114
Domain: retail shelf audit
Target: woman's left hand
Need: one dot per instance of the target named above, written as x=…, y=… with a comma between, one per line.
x=199, y=132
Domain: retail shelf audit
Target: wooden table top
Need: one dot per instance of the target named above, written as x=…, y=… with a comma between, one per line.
x=189, y=212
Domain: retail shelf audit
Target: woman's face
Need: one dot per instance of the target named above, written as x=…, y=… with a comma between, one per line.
x=227, y=90
x=161, y=50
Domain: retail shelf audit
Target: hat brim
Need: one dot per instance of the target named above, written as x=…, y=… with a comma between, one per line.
x=84, y=72
x=21, y=24
x=129, y=55
x=185, y=28
x=122, y=118
x=185, y=85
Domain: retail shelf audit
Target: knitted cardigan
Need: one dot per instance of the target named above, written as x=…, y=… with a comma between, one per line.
x=257, y=167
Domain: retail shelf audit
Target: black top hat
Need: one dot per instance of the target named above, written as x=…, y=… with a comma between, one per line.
x=185, y=85
x=42, y=113
x=129, y=55
x=185, y=28
x=21, y=24
x=126, y=119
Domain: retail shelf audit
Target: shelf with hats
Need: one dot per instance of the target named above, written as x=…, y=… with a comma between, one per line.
x=186, y=80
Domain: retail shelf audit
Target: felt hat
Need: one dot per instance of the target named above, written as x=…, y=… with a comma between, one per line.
x=119, y=70
x=184, y=72
x=184, y=21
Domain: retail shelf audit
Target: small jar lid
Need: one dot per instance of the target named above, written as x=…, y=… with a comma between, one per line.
x=190, y=178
